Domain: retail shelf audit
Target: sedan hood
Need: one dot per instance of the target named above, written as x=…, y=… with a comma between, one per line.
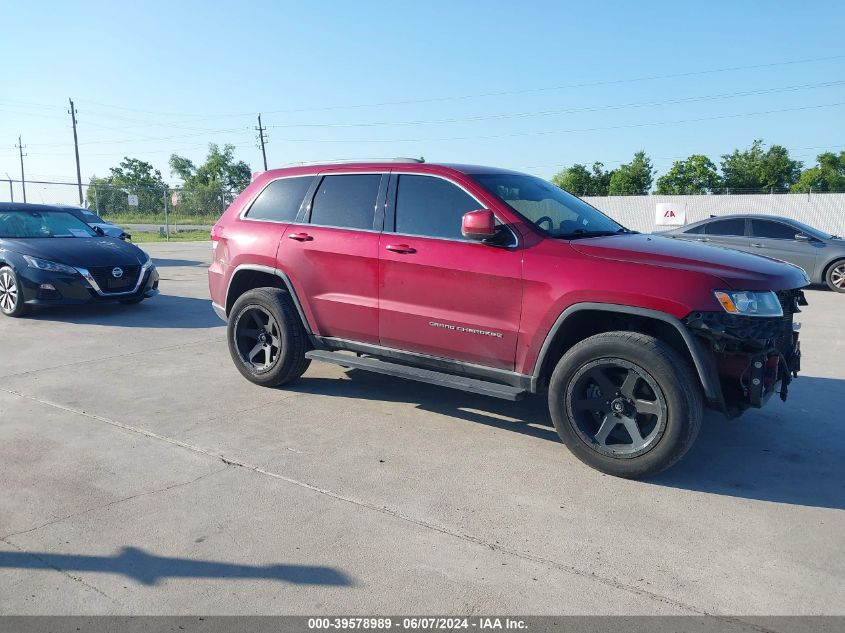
x=738, y=270
x=84, y=252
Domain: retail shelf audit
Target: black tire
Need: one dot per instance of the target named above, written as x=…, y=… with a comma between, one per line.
x=665, y=390
x=133, y=301
x=835, y=276
x=282, y=359
x=11, y=294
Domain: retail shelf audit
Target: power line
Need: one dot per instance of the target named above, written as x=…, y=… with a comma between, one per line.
x=486, y=94
x=570, y=131
x=616, y=106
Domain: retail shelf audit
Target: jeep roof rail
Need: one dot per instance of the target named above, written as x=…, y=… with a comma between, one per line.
x=339, y=161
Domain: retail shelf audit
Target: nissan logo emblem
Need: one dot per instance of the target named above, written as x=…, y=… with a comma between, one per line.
x=117, y=272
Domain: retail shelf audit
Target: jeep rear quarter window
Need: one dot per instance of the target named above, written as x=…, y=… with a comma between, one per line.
x=280, y=200
x=431, y=207
x=346, y=201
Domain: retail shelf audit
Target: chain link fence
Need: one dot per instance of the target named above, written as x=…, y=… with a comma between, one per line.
x=825, y=211
x=180, y=208
x=169, y=207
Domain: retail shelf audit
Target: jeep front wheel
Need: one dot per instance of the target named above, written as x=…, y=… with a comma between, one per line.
x=625, y=403
x=266, y=338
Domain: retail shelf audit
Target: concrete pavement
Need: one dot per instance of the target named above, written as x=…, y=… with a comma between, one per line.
x=142, y=474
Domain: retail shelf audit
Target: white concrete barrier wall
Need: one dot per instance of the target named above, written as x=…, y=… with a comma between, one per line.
x=825, y=211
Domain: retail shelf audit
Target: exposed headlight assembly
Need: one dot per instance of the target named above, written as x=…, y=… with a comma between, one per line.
x=749, y=303
x=53, y=267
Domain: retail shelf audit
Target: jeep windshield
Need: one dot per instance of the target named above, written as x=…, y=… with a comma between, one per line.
x=40, y=224
x=549, y=208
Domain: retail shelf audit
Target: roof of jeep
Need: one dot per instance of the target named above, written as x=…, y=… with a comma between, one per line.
x=397, y=166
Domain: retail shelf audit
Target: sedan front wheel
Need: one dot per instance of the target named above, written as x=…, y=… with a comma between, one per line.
x=11, y=298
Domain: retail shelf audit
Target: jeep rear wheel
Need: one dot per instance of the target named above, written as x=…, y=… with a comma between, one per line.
x=625, y=403
x=266, y=339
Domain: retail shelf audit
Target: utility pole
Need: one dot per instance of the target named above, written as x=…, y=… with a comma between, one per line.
x=20, y=147
x=262, y=138
x=76, y=149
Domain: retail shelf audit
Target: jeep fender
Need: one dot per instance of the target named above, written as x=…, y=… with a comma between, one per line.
x=703, y=361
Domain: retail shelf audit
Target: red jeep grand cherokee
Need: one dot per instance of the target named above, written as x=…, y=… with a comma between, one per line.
x=499, y=283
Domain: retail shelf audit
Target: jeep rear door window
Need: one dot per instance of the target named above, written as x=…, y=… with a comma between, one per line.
x=280, y=200
x=735, y=227
x=346, y=201
x=431, y=207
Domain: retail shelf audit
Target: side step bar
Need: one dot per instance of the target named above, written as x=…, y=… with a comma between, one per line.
x=483, y=387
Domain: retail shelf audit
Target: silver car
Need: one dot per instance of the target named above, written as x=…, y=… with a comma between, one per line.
x=820, y=254
x=95, y=221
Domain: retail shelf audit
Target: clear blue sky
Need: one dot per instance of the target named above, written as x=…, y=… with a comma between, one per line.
x=153, y=78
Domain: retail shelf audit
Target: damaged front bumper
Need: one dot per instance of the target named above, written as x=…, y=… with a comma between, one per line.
x=752, y=357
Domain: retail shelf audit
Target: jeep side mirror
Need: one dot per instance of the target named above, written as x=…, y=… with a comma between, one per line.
x=478, y=225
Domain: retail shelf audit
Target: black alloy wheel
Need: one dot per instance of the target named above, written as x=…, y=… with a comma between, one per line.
x=617, y=407
x=257, y=339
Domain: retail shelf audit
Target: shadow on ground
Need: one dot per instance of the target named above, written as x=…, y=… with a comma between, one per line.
x=148, y=569
x=165, y=263
x=163, y=311
x=787, y=453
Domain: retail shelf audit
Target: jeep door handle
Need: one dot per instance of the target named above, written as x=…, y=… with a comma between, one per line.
x=758, y=245
x=401, y=248
x=300, y=237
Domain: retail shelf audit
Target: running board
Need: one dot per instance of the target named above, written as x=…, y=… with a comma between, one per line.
x=483, y=387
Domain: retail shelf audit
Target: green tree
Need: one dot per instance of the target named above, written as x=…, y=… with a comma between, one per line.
x=580, y=181
x=634, y=178
x=695, y=175
x=827, y=175
x=756, y=169
x=209, y=188
x=132, y=176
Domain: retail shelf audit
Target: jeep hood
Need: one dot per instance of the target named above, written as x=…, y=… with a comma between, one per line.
x=738, y=270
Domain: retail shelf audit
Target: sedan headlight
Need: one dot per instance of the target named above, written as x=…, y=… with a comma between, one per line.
x=750, y=303
x=53, y=267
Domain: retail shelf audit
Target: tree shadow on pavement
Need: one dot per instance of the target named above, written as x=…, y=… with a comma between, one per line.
x=786, y=453
x=163, y=311
x=148, y=569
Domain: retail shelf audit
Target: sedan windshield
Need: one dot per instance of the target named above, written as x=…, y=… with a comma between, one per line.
x=86, y=216
x=24, y=224
x=549, y=208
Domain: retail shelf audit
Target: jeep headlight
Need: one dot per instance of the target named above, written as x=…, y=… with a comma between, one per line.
x=45, y=264
x=750, y=303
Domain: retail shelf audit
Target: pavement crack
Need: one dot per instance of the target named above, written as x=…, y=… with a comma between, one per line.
x=105, y=358
x=105, y=506
x=385, y=510
x=78, y=579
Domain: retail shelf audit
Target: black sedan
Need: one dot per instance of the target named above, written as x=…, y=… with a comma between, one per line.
x=49, y=257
